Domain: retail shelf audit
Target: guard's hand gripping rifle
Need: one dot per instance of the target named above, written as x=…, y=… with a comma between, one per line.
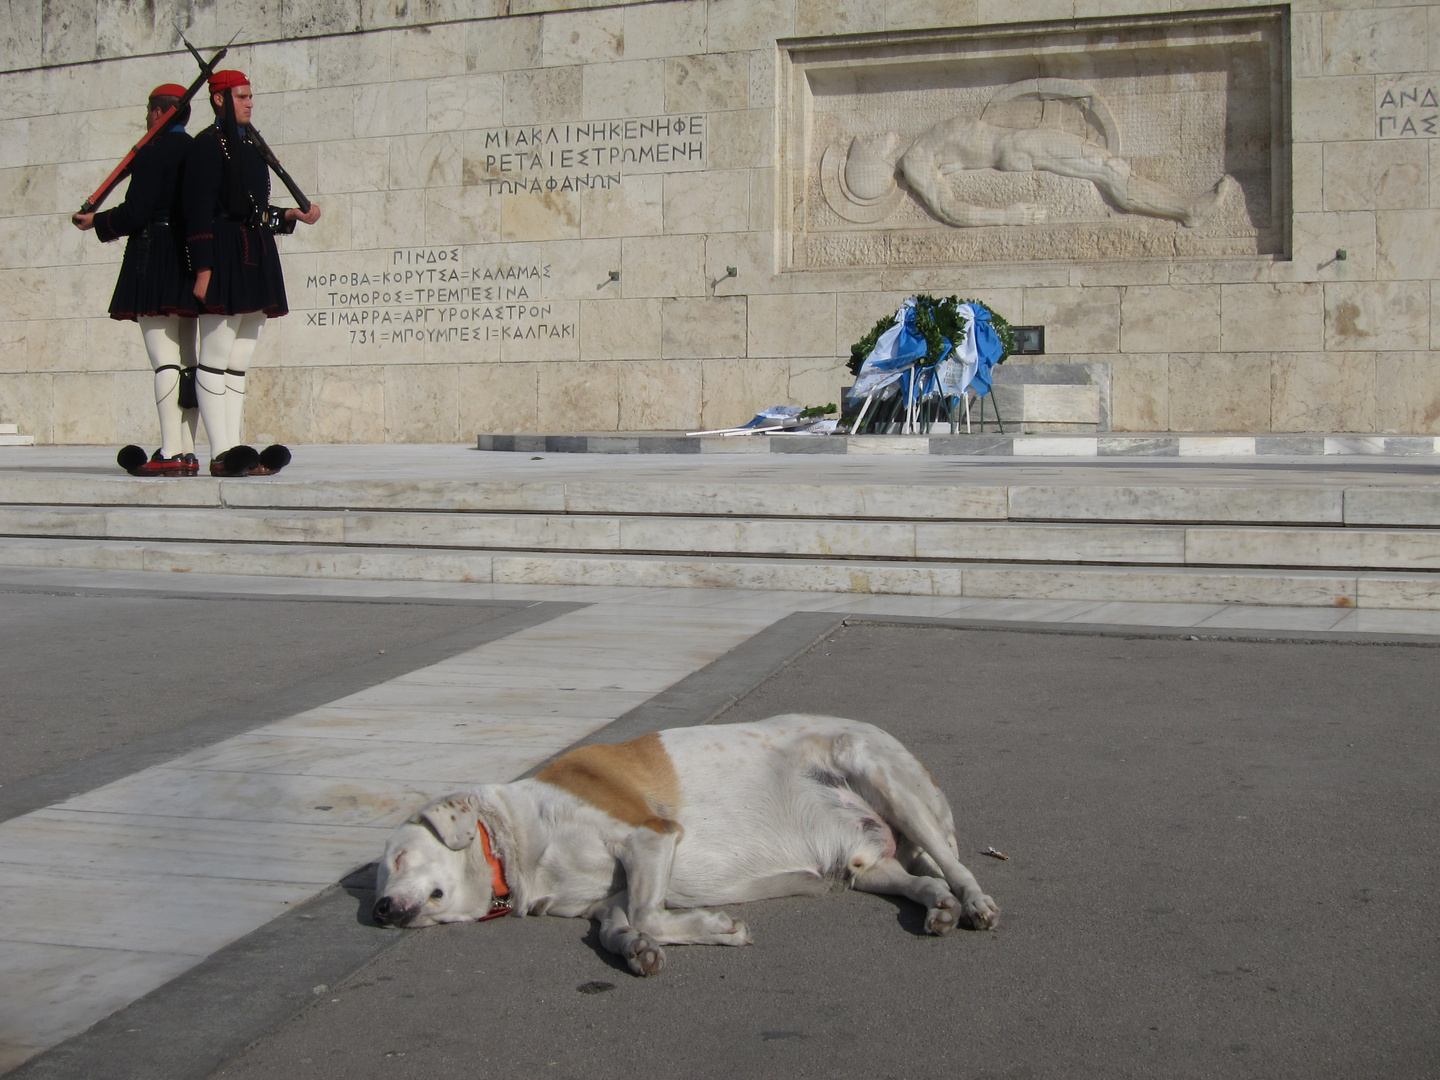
x=260, y=145
x=123, y=169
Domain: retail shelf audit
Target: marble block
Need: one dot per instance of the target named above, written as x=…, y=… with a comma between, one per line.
x=1198, y=402
x=1323, y=392
x=694, y=328
x=1377, y=315
x=1170, y=319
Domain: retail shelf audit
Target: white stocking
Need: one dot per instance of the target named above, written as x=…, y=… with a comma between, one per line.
x=247, y=337
x=217, y=337
x=170, y=343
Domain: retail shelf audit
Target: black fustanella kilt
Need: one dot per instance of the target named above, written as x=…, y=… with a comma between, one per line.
x=246, y=275
x=154, y=278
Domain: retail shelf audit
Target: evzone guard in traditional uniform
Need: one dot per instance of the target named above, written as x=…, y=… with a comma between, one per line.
x=230, y=231
x=155, y=288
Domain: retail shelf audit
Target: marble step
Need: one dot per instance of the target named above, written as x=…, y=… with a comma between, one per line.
x=1015, y=442
x=10, y=436
x=1299, y=546
x=1000, y=580
x=1251, y=503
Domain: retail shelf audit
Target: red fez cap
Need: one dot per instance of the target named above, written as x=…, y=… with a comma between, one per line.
x=224, y=80
x=168, y=89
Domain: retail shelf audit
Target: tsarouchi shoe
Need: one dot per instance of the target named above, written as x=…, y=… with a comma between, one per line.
x=272, y=460
x=237, y=461
x=132, y=459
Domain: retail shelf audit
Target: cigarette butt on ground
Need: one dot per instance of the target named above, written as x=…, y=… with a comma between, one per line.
x=995, y=854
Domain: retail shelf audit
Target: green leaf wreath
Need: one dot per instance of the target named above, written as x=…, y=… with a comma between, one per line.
x=934, y=320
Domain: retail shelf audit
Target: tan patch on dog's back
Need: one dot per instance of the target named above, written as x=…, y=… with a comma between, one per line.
x=633, y=781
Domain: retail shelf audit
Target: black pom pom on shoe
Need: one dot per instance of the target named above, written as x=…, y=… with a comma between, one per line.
x=237, y=461
x=274, y=457
x=131, y=458
x=241, y=459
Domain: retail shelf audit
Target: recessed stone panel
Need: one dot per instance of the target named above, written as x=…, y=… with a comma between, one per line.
x=1139, y=138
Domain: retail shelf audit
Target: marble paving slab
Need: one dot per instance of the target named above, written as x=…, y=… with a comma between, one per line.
x=435, y=728
x=67, y=987
x=103, y=843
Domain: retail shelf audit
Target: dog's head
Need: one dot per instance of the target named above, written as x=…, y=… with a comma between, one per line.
x=433, y=870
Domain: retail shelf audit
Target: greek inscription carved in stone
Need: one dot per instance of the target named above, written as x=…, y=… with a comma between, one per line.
x=583, y=156
x=1409, y=109
x=428, y=295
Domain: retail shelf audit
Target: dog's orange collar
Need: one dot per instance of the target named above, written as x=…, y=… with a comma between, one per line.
x=500, y=892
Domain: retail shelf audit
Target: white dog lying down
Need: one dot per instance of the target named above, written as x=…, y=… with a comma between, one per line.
x=649, y=835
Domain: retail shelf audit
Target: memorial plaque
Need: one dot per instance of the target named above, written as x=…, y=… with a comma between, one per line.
x=1125, y=139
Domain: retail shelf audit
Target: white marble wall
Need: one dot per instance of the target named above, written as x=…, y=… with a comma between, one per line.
x=395, y=117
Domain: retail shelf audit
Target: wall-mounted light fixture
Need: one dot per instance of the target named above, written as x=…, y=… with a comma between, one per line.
x=614, y=275
x=731, y=271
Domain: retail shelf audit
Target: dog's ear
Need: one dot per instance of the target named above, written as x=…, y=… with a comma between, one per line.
x=453, y=818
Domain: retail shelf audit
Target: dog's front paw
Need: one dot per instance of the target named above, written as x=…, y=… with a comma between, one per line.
x=943, y=917
x=644, y=956
x=980, y=913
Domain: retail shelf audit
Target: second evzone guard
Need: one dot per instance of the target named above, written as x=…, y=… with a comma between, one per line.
x=154, y=287
x=230, y=231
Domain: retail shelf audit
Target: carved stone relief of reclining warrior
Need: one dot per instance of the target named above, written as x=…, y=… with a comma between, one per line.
x=859, y=182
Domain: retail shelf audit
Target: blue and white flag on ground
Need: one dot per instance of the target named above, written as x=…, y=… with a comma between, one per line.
x=775, y=414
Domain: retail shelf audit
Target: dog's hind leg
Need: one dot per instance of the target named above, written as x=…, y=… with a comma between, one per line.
x=888, y=876
x=887, y=776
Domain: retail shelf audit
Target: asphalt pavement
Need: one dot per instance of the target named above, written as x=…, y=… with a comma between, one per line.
x=1221, y=864
x=100, y=683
